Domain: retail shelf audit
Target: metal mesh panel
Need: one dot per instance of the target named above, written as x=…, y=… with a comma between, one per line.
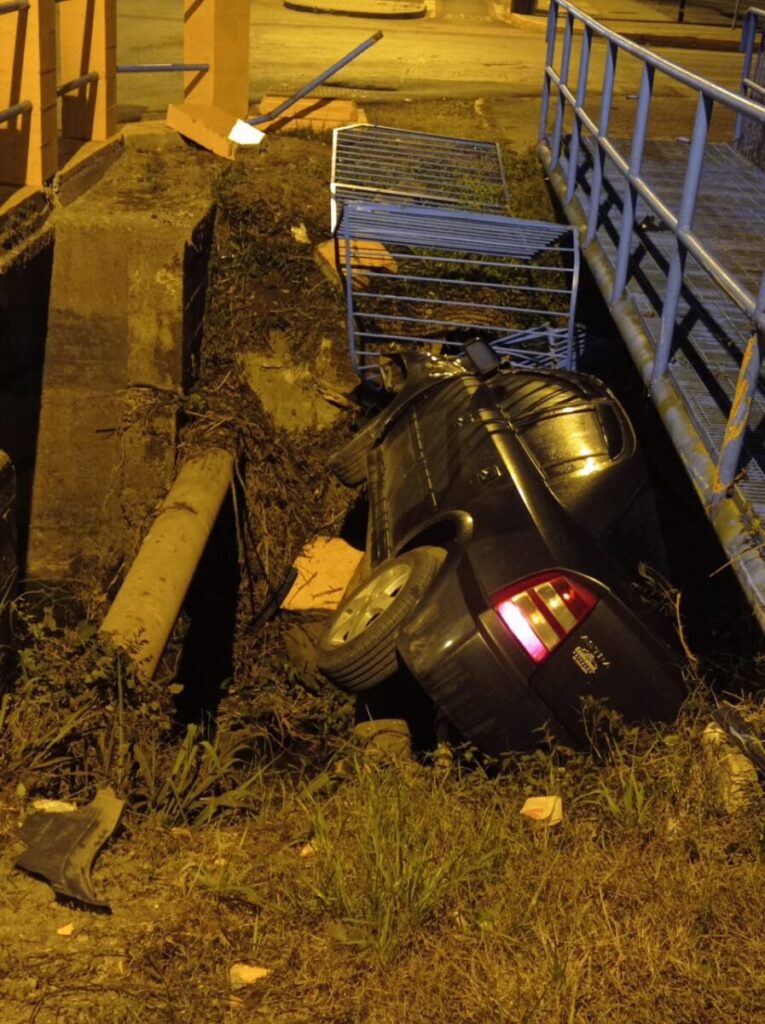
x=430, y=278
x=389, y=165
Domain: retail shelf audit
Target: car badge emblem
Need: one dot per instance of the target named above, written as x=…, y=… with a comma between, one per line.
x=585, y=660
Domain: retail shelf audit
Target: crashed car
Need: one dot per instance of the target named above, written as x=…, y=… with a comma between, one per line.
x=508, y=511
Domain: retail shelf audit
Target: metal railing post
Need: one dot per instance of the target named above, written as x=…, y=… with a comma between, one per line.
x=576, y=131
x=735, y=428
x=748, y=380
x=564, y=65
x=552, y=27
x=748, y=33
x=28, y=138
x=88, y=68
x=630, y=194
x=691, y=183
x=609, y=77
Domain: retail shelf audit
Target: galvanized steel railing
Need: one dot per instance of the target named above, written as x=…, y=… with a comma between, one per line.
x=556, y=84
x=749, y=137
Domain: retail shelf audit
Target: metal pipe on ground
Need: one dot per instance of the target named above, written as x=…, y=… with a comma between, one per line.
x=147, y=605
x=316, y=82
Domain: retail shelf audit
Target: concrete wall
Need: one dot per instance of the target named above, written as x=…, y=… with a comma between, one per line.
x=124, y=324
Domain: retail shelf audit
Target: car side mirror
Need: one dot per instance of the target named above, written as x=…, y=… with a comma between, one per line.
x=482, y=357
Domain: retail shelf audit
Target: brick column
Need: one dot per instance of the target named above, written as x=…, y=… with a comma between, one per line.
x=88, y=42
x=28, y=143
x=217, y=32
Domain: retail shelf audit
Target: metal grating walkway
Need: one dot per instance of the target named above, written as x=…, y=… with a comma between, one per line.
x=390, y=165
x=429, y=277
x=712, y=330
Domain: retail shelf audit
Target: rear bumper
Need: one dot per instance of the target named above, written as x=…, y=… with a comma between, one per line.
x=460, y=667
x=473, y=669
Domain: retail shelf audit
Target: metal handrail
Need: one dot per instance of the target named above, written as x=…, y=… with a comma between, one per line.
x=135, y=69
x=689, y=78
x=636, y=186
x=76, y=83
x=24, y=107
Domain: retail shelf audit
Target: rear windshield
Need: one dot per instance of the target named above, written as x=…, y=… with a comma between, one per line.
x=568, y=427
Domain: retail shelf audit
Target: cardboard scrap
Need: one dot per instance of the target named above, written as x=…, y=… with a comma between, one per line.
x=365, y=255
x=324, y=569
x=242, y=974
x=544, y=810
x=213, y=128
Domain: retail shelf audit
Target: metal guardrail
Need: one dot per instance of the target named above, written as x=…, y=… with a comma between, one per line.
x=14, y=7
x=594, y=180
x=749, y=137
x=636, y=186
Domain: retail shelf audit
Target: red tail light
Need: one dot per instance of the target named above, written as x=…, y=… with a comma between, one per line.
x=542, y=611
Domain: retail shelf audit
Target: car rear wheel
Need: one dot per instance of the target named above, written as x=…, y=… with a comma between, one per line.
x=349, y=463
x=357, y=649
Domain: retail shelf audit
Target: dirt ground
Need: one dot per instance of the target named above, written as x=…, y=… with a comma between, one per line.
x=256, y=833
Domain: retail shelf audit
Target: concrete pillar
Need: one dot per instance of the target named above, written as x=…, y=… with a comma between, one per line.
x=28, y=143
x=88, y=42
x=217, y=32
x=129, y=264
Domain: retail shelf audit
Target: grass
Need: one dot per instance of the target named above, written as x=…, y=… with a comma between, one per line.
x=374, y=894
x=426, y=896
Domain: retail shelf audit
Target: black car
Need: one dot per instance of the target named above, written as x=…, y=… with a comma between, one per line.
x=508, y=511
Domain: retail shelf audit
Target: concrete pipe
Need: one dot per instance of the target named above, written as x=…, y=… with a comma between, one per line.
x=148, y=603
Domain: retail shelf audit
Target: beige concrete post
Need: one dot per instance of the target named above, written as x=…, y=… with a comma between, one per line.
x=145, y=609
x=88, y=43
x=28, y=143
x=217, y=32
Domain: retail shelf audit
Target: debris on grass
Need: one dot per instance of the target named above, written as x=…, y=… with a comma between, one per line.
x=543, y=810
x=54, y=806
x=733, y=777
x=241, y=975
x=61, y=848
x=384, y=740
x=300, y=233
x=325, y=567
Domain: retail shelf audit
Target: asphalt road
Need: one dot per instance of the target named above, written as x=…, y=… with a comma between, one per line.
x=461, y=50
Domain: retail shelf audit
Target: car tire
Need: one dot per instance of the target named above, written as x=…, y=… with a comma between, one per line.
x=357, y=649
x=349, y=463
